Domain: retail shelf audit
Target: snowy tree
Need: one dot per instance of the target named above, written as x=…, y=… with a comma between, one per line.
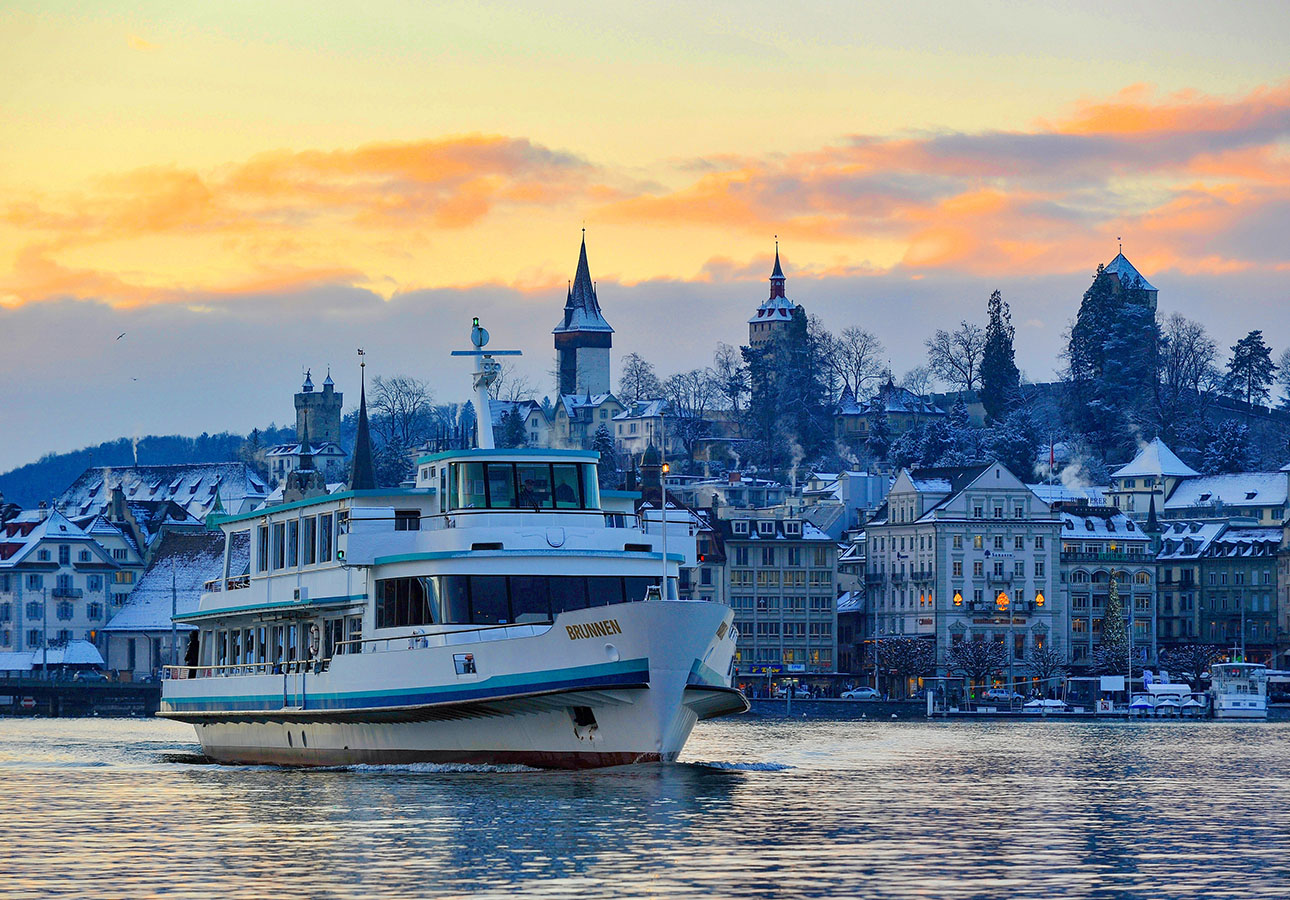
x=907, y=657
x=1186, y=367
x=907, y=449
x=731, y=377
x=937, y=443
x=1111, y=656
x=603, y=443
x=1283, y=379
x=977, y=659
x=1229, y=450
x=1046, y=663
x=638, y=381
x=1190, y=661
x=1000, y=378
x=918, y=381
x=878, y=444
x=1015, y=443
x=1250, y=370
x=955, y=357
x=690, y=397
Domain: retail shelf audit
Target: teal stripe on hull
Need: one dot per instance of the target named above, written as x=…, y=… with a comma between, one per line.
x=608, y=675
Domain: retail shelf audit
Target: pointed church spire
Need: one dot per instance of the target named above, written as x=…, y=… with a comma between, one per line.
x=582, y=308
x=306, y=463
x=362, y=477
x=777, y=275
x=1153, y=524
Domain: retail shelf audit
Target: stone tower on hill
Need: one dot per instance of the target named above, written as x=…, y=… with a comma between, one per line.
x=322, y=409
x=775, y=313
x=583, y=337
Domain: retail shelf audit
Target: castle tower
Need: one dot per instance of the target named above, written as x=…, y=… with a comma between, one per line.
x=1128, y=278
x=775, y=312
x=583, y=337
x=322, y=409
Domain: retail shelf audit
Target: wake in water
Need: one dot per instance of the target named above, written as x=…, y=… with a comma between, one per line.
x=743, y=766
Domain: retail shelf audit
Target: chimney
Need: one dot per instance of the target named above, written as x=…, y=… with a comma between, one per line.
x=118, y=504
x=734, y=478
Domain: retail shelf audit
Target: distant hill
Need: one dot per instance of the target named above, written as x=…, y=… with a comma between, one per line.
x=51, y=474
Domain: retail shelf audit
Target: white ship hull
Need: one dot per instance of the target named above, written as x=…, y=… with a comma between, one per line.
x=606, y=686
x=1242, y=706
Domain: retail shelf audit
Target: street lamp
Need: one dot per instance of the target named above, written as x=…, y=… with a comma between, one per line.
x=1004, y=604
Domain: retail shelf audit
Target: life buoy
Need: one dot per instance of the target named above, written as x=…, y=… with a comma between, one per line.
x=315, y=640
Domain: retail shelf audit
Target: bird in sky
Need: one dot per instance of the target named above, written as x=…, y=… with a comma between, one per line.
x=121, y=335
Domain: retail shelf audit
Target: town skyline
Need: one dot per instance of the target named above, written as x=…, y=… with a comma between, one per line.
x=907, y=178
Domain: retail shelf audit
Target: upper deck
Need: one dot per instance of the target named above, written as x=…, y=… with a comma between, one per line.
x=511, y=511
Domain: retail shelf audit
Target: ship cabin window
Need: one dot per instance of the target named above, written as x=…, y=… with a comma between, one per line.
x=500, y=599
x=309, y=541
x=262, y=549
x=279, y=544
x=536, y=486
x=407, y=520
x=324, y=538
x=293, y=544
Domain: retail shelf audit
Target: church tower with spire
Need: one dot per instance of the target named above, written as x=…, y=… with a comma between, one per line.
x=775, y=313
x=583, y=337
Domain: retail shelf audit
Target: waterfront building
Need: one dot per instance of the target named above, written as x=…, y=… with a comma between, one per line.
x=965, y=553
x=1218, y=585
x=1100, y=543
x=58, y=581
x=854, y=632
x=781, y=573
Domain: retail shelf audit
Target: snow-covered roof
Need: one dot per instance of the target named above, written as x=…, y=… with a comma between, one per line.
x=1175, y=537
x=1100, y=526
x=1124, y=270
x=19, y=539
x=190, y=559
x=499, y=409
x=1060, y=493
x=643, y=409
x=73, y=653
x=1155, y=459
x=194, y=486
x=1244, y=541
x=930, y=485
x=1240, y=489
x=850, y=602
x=892, y=399
x=326, y=448
x=575, y=403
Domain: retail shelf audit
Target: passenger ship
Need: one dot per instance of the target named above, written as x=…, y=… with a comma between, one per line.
x=494, y=613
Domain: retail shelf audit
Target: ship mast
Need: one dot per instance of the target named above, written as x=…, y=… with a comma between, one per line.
x=485, y=375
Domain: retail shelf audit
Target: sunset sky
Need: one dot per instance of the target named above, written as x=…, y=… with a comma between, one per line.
x=247, y=189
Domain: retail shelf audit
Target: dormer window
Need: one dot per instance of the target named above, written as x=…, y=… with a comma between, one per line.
x=792, y=528
x=741, y=526
x=1250, y=495
x=766, y=527
x=1204, y=498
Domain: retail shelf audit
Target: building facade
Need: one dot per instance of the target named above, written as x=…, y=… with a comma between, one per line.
x=964, y=553
x=1100, y=544
x=781, y=573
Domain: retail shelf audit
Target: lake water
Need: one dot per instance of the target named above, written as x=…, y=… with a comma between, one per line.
x=760, y=807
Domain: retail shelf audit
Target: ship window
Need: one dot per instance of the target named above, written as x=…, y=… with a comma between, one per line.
x=531, y=598
x=309, y=541
x=407, y=520
x=604, y=591
x=567, y=486
x=455, y=599
x=324, y=537
x=568, y=592
x=293, y=543
x=488, y=600
x=501, y=486
x=262, y=549
x=637, y=585
x=472, y=491
x=279, y=544
x=535, y=485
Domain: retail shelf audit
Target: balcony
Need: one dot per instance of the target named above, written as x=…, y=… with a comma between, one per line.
x=1135, y=558
x=897, y=578
x=923, y=575
x=66, y=593
x=874, y=578
x=1004, y=578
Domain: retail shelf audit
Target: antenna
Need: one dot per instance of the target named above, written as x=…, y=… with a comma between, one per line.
x=485, y=375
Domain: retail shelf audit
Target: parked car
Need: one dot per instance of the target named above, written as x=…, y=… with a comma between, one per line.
x=1002, y=694
x=800, y=692
x=90, y=675
x=862, y=693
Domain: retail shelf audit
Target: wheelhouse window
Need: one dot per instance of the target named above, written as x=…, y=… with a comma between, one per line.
x=324, y=537
x=407, y=520
x=309, y=541
x=262, y=549
x=279, y=544
x=293, y=544
x=522, y=486
x=501, y=485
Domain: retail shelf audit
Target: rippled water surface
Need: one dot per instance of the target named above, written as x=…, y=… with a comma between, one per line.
x=760, y=808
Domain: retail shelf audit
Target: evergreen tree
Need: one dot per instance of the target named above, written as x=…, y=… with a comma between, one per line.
x=603, y=443
x=790, y=403
x=1230, y=450
x=878, y=443
x=1249, y=372
x=937, y=443
x=1015, y=443
x=1112, y=654
x=906, y=450
x=1000, y=379
x=513, y=432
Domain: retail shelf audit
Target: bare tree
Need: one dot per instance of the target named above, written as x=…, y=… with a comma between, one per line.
x=955, y=357
x=1191, y=661
x=859, y=359
x=690, y=397
x=1046, y=663
x=638, y=381
x=731, y=377
x=511, y=384
x=978, y=660
x=1283, y=378
x=907, y=657
x=401, y=410
x=1187, y=371
x=917, y=380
